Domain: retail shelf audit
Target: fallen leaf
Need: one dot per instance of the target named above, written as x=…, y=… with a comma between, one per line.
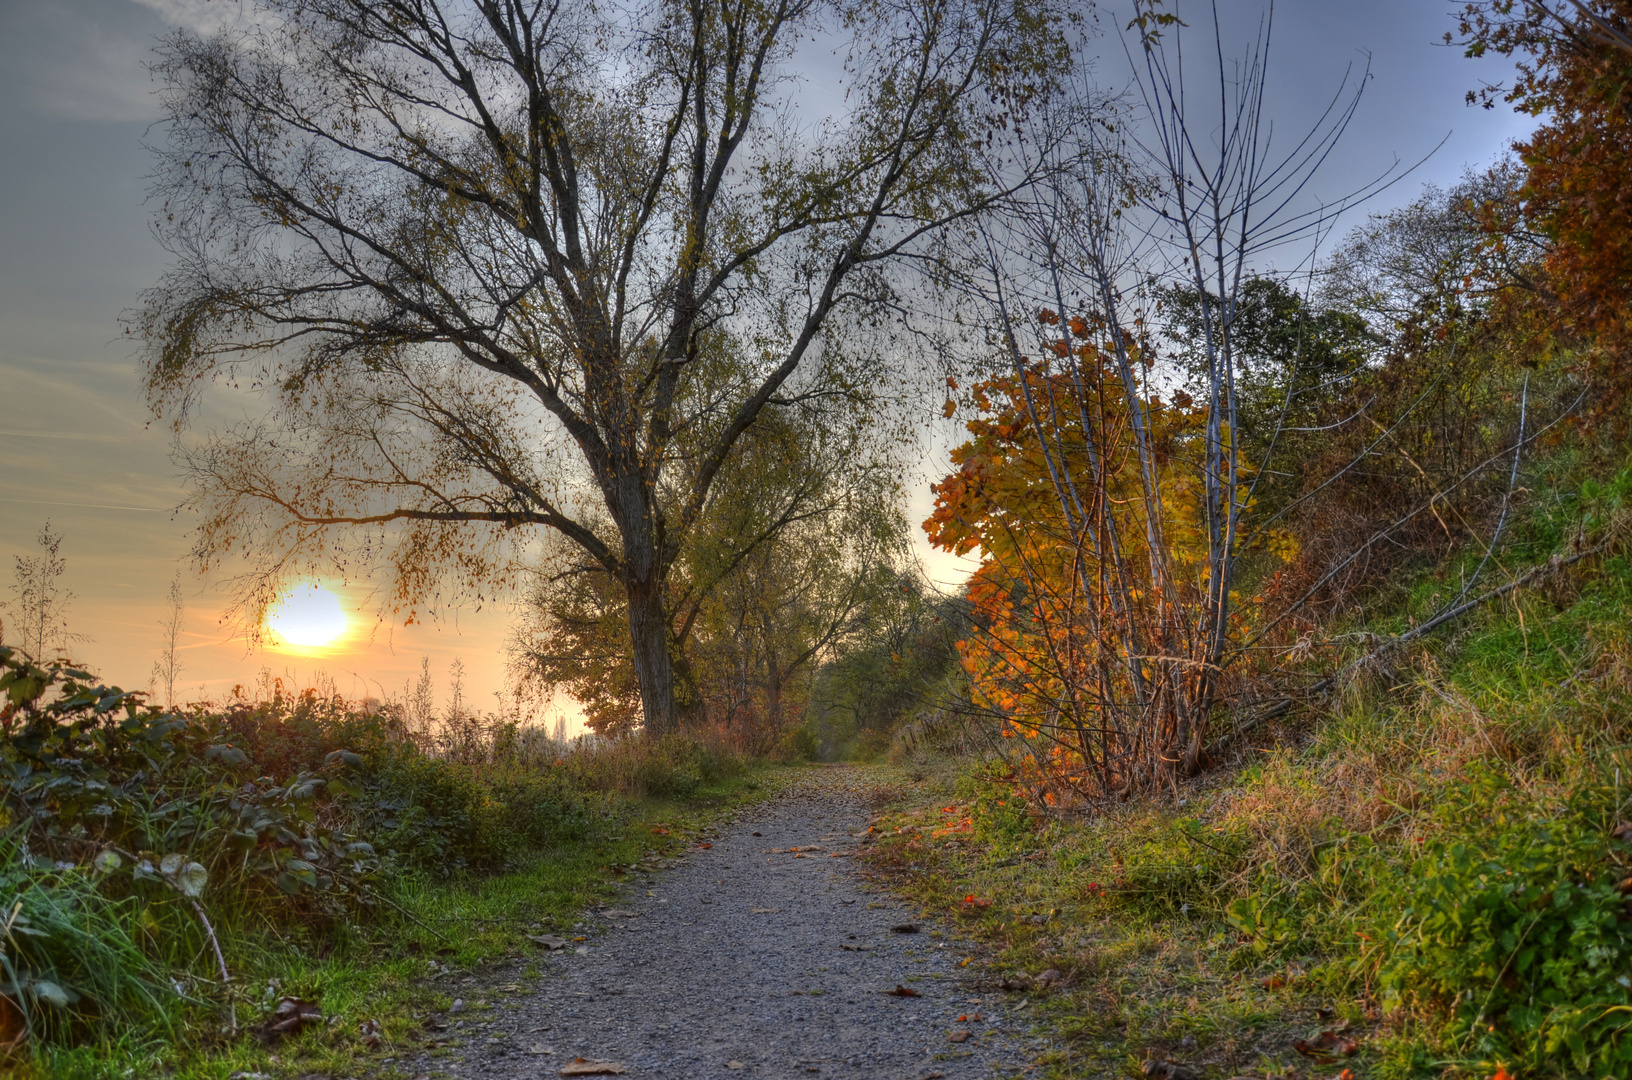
x=763, y=910
x=705, y=845
x=733, y=1064
x=1050, y=977
x=1327, y=1047
x=289, y=1016
x=904, y=928
x=969, y=1018
x=619, y=913
x=903, y=991
x=370, y=1031
x=759, y=834
x=539, y=1049
x=1274, y=982
x=1623, y=831
x=1168, y=1069
x=660, y=832
x=958, y=1036
x=585, y=1067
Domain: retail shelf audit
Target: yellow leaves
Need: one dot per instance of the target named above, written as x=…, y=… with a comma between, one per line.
x=1281, y=543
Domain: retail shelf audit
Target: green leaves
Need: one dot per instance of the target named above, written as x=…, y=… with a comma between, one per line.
x=188, y=878
x=226, y=754
x=1519, y=933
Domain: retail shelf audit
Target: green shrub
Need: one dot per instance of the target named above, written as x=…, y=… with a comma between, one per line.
x=1515, y=932
x=450, y=817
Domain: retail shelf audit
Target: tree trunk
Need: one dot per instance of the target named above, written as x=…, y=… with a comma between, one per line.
x=654, y=668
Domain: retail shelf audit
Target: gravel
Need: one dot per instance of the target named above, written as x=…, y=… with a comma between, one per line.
x=748, y=959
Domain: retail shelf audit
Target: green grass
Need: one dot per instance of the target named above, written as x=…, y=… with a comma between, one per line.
x=1432, y=860
x=398, y=970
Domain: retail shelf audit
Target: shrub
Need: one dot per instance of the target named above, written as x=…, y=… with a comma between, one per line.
x=1517, y=935
x=449, y=817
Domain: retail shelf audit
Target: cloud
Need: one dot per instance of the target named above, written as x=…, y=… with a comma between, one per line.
x=201, y=16
x=85, y=60
x=79, y=60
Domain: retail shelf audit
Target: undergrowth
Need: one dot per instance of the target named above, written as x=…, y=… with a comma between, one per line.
x=172, y=876
x=1438, y=868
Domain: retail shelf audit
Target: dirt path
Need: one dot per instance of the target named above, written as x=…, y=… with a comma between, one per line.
x=749, y=959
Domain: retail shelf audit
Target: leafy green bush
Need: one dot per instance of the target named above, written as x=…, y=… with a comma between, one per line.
x=449, y=817
x=1517, y=934
x=164, y=803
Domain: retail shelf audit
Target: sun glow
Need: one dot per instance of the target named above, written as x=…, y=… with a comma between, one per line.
x=309, y=617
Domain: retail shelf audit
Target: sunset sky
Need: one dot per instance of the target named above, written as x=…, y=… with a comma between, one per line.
x=75, y=445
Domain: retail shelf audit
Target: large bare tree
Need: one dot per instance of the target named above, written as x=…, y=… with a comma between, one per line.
x=491, y=262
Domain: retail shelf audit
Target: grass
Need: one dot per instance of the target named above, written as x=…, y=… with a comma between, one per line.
x=179, y=876
x=1433, y=866
x=460, y=938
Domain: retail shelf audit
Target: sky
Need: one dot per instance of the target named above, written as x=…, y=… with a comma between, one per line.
x=76, y=448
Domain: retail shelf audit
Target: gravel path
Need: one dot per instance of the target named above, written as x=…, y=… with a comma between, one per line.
x=749, y=959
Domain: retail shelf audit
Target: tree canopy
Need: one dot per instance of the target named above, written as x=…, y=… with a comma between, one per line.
x=495, y=265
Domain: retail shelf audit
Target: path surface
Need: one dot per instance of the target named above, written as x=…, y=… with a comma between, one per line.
x=749, y=960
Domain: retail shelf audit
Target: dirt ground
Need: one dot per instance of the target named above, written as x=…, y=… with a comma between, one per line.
x=763, y=953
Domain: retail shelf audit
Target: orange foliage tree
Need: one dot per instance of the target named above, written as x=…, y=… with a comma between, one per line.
x=1574, y=64
x=1088, y=508
x=1067, y=627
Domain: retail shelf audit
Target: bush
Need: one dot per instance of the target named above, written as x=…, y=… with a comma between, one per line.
x=1517, y=933
x=449, y=817
x=675, y=766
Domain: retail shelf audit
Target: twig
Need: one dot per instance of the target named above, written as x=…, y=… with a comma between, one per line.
x=1324, y=686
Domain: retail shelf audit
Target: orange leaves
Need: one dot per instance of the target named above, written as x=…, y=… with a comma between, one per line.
x=1328, y=1047
x=1579, y=163
x=973, y=904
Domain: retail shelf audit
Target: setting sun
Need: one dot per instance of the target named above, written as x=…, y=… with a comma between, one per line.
x=308, y=617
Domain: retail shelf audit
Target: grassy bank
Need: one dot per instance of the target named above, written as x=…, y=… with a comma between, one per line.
x=1429, y=878
x=176, y=878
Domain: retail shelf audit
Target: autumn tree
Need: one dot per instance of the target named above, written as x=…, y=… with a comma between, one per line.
x=803, y=523
x=482, y=258
x=1113, y=522
x=1574, y=60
